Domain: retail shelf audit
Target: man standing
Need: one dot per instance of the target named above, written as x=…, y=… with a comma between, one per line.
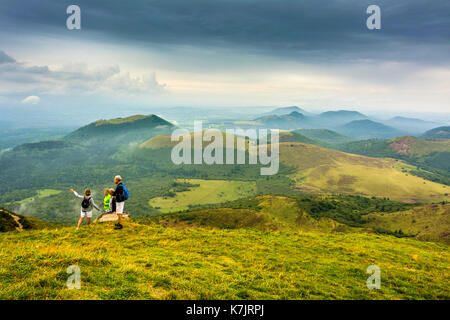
x=121, y=194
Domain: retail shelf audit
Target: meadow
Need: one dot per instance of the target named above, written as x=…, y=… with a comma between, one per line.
x=429, y=223
x=320, y=170
x=149, y=261
x=204, y=192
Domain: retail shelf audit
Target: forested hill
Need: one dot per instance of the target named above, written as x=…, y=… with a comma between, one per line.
x=136, y=125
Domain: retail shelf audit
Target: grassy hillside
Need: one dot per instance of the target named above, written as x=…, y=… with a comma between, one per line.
x=10, y=221
x=137, y=127
x=368, y=129
x=267, y=213
x=324, y=135
x=324, y=170
x=293, y=120
x=294, y=136
x=431, y=222
x=438, y=133
x=154, y=262
x=203, y=192
x=432, y=157
x=164, y=141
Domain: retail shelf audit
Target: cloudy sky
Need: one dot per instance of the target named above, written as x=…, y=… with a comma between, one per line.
x=144, y=53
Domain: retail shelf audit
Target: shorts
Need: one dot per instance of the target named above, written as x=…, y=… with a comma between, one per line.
x=119, y=207
x=86, y=214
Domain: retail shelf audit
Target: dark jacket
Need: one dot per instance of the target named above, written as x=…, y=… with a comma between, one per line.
x=119, y=194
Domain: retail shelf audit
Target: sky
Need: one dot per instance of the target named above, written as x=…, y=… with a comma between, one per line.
x=139, y=54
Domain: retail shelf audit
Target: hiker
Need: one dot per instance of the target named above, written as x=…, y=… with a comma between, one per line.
x=86, y=206
x=109, y=203
x=120, y=195
x=106, y=200
x=112, y=202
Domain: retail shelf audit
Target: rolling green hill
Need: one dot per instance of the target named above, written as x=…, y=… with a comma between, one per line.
x=438, y=133
x=324, y=135
x=74, y=159
x=137, y=127
x=295, y=136
x=368, y=129
x=411, y=125
x=324, y=170
x=287, y=110
x=432, y=157
x=10, y=221
x=149, y=261
x=342, y=116
x=319, y=170
x=267, y=213
x=203, y=192
x=431, y=222
x=293, y=120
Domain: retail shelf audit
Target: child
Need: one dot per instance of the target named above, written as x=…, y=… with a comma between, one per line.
x=112, y=202
x=106, y=200
x=86, y=206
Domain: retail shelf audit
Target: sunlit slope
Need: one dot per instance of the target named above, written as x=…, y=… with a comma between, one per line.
x=324, y=170
x=133, y=128
x=204, y=192
x=431, y=222
x=319, y=169
x=268, y=213
x=164, y=141
x=153, y=262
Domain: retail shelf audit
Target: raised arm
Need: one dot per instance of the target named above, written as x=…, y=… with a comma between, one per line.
x=76, y=194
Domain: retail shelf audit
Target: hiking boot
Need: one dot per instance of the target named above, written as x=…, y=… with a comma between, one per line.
x=118, y=227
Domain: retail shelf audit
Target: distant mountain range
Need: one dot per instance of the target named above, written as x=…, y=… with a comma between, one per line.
x=438, y=133
x=411, y=125
x=287, y=110
x=289, y=121
x=368, y=129
x=325, y=135
x=345, y=122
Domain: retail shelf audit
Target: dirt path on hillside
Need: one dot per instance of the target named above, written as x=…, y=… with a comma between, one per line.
x=16, y=219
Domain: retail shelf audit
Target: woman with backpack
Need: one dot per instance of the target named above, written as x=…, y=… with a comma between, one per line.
x=87, y=204
x=120, y=195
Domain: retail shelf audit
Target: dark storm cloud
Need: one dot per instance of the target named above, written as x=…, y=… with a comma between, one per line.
x=4, y=58
x=331, y=29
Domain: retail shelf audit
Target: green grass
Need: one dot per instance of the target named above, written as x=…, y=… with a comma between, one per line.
x=121, y=120
x=321, y=170
x=153, y=262
x=207, y=192
x=266, y=213
x=43, y=193
x=431, y=222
